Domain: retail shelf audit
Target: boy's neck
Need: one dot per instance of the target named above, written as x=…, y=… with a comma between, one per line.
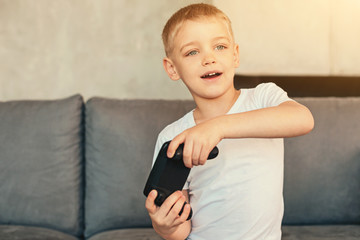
x=207, y=109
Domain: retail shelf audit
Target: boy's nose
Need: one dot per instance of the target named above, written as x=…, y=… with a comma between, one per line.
x=208, y=59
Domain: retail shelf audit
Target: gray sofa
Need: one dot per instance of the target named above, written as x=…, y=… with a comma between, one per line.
x=75, y=170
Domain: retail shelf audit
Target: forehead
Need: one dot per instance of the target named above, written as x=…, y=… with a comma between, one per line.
x=196, y=30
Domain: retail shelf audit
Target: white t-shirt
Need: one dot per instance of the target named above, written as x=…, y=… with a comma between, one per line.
x=237, y=195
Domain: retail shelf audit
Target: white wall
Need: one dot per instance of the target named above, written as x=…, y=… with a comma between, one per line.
x=54, y=48
x=296, y=37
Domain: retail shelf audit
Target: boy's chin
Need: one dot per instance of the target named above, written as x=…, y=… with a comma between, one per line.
x=209, y=95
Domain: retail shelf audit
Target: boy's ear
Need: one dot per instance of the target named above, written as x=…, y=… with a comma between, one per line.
x=170, y=69
x=236, y=56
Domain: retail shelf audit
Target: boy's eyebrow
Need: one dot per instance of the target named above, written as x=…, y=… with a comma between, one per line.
x=188, y=44
x=219, y=38
x=195, y=42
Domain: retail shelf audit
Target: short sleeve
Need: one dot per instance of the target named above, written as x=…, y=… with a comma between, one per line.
x=270, y=95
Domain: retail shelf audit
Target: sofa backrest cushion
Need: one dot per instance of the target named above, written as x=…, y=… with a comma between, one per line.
x=41, y=164
x=322, y=169
x=120, y=141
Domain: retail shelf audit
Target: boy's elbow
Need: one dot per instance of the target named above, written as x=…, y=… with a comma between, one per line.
x=307, y=123
x=309, y=126
x=301, y=118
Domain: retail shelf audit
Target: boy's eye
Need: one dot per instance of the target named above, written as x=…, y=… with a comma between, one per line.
x=191, y=53
x=220, y=47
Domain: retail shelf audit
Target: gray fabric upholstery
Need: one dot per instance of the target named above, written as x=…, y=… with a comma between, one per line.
x=128, y=234
x=120, y=140
x=31, y=233
x=40, y=164
x=322, y=169
x=326, y=232
x=42, y=177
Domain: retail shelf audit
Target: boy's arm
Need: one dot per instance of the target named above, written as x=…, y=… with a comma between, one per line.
x=166, y=220
x=289, y=119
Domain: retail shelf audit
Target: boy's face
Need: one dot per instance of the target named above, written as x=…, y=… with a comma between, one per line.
x=204, y=56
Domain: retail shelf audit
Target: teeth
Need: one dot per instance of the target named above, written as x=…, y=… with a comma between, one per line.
x=211, y=75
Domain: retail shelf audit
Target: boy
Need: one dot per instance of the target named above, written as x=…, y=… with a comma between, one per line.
x=238, y=195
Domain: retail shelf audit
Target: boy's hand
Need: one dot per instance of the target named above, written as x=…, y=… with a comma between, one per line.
x=165, y=219
x=198, y=142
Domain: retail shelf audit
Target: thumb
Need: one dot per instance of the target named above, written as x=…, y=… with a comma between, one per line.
x=150, y=202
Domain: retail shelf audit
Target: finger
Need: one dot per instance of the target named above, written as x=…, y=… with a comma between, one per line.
x=150, y=202
x=169, y=203
x=204, y=155
x=187, y=154
x=174, y=144
x=196, y=155
x=183, y=217
x=175, y=210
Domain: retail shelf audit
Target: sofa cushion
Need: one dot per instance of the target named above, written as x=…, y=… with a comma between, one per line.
x=31, y=233
x=41, y=163
x=128, y=234
x=322, y=169
x=334, y=232
x=120, y=142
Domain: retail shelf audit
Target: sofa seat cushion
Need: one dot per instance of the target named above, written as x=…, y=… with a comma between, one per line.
x=31, y=233
x=128, y=234
x=318, y=232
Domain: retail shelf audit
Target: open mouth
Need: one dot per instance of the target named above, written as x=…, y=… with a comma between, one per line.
x=211, y=75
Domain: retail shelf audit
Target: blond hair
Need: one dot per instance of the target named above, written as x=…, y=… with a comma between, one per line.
x=190, y=12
